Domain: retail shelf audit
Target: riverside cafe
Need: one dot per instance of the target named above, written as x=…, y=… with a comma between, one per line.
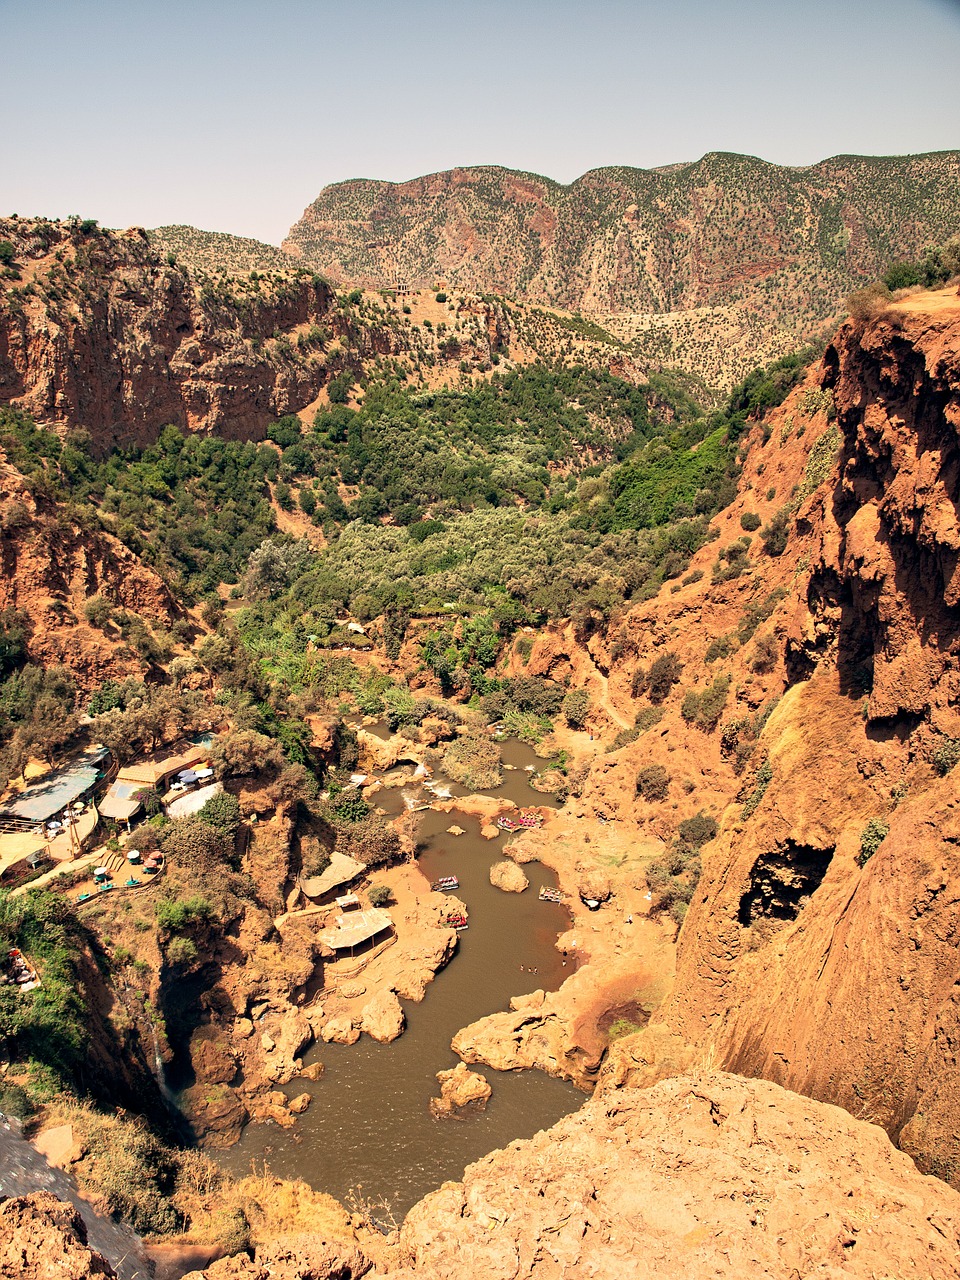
x=48, y=811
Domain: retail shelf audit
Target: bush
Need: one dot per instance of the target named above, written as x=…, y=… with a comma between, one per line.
x=98, y=611
x=704, y=709
x=696, y=831
x=181, y=950
x=662, y=676
x=761, y=780
x=222, y=812
x=15, y=1101
x=7, y=253
x=175, y=914
x=286, y=432
x=653, y=782
x=764, y=656
x=750, y=521
x=474, y=762
x=901, y=275
x=873, y=300
x=576, y=708
x=379, y=895
x=440, y=297
x=871, y=838
x=351, y=806
x=946, y=755
x=774, y=535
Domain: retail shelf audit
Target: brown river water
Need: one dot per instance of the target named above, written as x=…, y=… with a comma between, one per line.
x=368, y=1136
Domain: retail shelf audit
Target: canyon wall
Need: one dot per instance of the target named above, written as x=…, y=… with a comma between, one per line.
x=97, y=331
x=820, y=948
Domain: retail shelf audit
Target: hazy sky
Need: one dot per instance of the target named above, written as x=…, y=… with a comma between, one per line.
x=232, y=115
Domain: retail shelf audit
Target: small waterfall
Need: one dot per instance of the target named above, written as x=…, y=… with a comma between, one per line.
x=158, y=1068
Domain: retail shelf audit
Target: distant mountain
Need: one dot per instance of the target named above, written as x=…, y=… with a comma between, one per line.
x=217, y=251
x=714, y=265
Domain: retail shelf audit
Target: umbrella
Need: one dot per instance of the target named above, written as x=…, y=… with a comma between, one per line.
x=188, y=775
x=133, y=855
x=204, y=773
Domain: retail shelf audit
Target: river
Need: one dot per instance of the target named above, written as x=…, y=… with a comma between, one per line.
x=368, y=1137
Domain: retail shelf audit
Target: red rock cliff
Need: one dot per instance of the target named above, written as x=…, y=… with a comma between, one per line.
x=821, y=947
x=97, y=331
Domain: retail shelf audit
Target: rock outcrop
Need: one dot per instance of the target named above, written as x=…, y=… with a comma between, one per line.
x=382, y=1017
x=97, y=331
x=507, y=876
x=46, y=1239
x=709, y=1175
x=460, y=1090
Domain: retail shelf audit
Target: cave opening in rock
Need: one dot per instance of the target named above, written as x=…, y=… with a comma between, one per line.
x=782, y=880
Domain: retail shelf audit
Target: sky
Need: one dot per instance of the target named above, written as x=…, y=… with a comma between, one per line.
x=233, y=114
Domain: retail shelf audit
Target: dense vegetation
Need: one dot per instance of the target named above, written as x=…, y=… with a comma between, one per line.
x=543, y=493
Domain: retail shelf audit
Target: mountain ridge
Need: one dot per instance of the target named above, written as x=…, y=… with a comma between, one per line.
x=771, y=250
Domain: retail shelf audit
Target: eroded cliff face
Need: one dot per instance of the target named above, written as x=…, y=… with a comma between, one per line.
x=97, y=331
x=816, y=952
x=54, y=560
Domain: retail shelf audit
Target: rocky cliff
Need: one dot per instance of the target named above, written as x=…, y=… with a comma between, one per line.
x=97, y=331
x=709, y=266
x=819, y=950
x=54, y=560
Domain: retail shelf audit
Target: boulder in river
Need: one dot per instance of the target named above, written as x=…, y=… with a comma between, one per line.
x=507, y=876
x=340, y=1031
x=460, y=1090
x=382, y=1017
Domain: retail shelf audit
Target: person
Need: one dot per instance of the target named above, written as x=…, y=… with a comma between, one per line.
x=629, y=919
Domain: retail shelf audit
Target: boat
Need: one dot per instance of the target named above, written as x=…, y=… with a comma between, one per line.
x=457, y=921
x=507, y=824
x=547, y=894
x=445, y=883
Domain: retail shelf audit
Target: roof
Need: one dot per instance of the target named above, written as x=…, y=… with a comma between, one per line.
x=120, y=802
x=342, y=870
x=193, y=801
x=17, y=846
x=55, y=792
x=355, y=928
x=148, y=772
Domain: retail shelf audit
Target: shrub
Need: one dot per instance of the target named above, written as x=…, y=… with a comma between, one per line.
x=653, y=782
x=576, y=707
x=379, y=894
x=750, y=521
x=764, y=656
x=871, y=838
x=222, y=812
x=705, y=708
x=872, y=300
x=761, y=780
x=474, y=762
x=351, y=806
x=696, y=831
x=175, y=914
x=97, y=611
x=946, y=755
x=662, y=676
x=774, y=535
x=286, y=432
x=901, y=275
x=181, y=950
x=15, y=1101
x=7, y=253
x=440, y=297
